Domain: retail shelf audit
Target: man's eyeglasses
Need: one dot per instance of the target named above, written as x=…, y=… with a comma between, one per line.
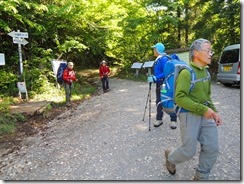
x=211, y=53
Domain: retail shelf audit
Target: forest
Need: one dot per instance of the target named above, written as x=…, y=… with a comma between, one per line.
x=118, y=31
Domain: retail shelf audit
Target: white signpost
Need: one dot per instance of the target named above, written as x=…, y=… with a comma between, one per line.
x=137, y=66
x=20, y=41
x=148, y=65
x=18, y=38
x=22, y=89
x=2, y=59
x=18, y=34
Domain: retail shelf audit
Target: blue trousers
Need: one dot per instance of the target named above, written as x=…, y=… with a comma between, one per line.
x=105, y=83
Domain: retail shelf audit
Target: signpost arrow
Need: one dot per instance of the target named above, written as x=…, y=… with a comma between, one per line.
x=18, y=34
x=20, y=41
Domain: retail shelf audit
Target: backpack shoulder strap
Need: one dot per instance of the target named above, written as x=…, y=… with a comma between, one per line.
x=194, y=80
x=193, y=76
x=167, y=56
x=174, y=56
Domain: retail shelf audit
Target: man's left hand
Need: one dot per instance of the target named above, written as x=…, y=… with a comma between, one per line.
x=151, y=79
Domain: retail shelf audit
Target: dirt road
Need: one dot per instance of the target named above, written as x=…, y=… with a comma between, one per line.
x=104, y=138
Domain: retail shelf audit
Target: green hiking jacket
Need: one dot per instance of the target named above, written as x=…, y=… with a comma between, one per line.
x=201, y=92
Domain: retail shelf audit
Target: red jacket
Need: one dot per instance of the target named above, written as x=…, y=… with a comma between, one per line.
x=104, y=71
x=69, y=75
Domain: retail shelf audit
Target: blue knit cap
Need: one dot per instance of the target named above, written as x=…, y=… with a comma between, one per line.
x=159, y=48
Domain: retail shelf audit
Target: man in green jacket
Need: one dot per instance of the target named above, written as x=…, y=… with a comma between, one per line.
x=198, y=116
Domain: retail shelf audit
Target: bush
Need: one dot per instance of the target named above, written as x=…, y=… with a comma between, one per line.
x=8, y=120
x=6, y=128
x=8, y=83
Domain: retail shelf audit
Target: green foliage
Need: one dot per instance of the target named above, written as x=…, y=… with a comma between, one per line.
x=220, y=22
x=8, y=120
x=6, y=128
x=119, y=31
x=37, y=80
x=8, y=83
x=81, y=91
x=5, y=103
x=20, y=117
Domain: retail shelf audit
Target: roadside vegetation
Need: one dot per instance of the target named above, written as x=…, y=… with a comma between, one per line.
x=8, y=120
x=82, y=89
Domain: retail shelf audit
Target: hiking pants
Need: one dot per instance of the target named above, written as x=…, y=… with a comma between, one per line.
x=67, y=88
x=160, y=112
x=195, y=128
x=105, y=83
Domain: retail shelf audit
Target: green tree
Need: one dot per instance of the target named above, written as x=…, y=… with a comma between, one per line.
x=120, y=31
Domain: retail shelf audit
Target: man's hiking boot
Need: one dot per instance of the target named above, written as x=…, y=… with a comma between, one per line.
x=195, y=178
x=173, y=125
x=158, y=123
x=198, y=178
x=171, y=167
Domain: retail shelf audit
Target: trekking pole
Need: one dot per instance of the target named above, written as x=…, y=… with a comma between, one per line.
x=148, y=99
x=149, y=123
x=146, y=103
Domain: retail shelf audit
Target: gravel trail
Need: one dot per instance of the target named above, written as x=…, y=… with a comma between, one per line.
x=104, y=138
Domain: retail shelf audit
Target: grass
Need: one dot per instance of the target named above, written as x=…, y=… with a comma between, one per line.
x=7, y=128
x=7, y=122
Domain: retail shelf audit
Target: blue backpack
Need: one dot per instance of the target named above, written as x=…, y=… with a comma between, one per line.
x=60, y=72
x=171, y=71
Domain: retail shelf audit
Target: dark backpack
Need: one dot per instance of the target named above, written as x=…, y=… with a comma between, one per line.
x=171, y=70
x=60, y=72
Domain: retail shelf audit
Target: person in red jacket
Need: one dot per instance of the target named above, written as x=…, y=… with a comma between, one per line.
x=69, y=78
x=104, y=72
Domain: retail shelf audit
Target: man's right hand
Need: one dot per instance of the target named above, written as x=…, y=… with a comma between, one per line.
x=210, y=114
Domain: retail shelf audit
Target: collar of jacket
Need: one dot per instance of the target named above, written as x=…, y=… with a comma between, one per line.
x=199, y=67
x=160, y=55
